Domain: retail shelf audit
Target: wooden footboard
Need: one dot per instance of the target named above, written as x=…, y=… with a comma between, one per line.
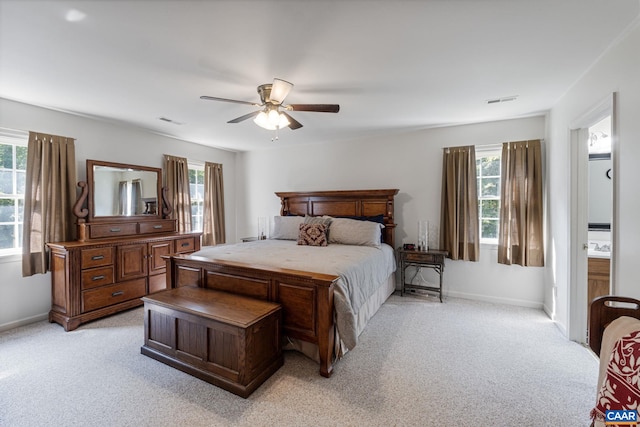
x=603, y=310
x=306, y=298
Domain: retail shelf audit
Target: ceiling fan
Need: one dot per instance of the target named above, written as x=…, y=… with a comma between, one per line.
x=273, y=113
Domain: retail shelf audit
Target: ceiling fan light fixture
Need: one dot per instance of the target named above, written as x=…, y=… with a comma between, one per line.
x=262, y=120
x=274, y=117
x=272, y=120
x=283, y=121
x=279, y=90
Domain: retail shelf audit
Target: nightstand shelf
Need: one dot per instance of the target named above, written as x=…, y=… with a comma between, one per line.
x=421, y=259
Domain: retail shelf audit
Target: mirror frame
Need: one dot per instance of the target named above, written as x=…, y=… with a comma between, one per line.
x=91, y=192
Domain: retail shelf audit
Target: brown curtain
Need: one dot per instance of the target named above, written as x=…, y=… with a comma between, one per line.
x=520, y=236
x=213, y=211
x=459, y=210
x=49, y=196
x=176, y=172
x=136, y=197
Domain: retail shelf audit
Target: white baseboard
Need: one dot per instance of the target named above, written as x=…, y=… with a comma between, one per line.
x=549, y=312
x=495, y=300
x=23, y=322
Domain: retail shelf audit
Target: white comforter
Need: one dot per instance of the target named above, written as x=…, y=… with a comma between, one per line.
x=362, y=269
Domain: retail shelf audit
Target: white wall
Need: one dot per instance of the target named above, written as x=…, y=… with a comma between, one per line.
x=617, y=71
x=411, y=162
x=26, y=299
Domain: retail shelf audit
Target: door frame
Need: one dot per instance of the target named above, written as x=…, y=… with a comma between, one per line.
x=578, y=230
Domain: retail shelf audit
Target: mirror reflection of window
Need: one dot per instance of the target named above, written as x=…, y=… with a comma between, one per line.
x=130, y=198
x=600, y=137
x=124, y=191
x=600, y=173
x=123, y=198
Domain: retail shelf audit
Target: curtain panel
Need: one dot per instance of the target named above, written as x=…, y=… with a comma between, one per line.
x=213, y=211
x=176, y=172
x=49, y=196
x=520, y=239
x=459, y=233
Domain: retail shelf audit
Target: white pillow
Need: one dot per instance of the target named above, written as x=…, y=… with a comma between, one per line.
x=347, y=231
x=324, y=220
x=286, y=227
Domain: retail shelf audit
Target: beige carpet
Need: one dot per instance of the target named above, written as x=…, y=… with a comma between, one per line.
x=418, y=363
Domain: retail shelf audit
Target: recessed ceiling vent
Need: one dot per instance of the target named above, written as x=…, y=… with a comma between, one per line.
x=504, y=99
x=164, y=119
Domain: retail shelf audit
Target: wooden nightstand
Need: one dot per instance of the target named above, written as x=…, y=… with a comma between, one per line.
x=430, y=259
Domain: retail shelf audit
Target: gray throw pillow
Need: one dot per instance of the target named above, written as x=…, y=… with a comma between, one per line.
x=286, y=227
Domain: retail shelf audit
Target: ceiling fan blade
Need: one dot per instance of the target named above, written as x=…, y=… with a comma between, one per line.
x=279, y=90
x=293, y=123
x=245, y=117
x=321, y=108
x=213, y=98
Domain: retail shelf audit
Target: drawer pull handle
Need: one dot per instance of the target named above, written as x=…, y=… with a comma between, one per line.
x=115, y=230
x=185, y=244
x=117, y=294
x=97, y=257
x=157, y=227
x=97, y=277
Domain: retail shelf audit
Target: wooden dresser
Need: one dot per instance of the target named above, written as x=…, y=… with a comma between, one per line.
x=123, y=234
x=93, y=279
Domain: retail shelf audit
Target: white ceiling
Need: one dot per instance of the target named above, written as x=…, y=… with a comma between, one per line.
x=392, y=65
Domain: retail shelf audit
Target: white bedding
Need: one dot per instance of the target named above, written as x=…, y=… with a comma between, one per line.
x=362, y=269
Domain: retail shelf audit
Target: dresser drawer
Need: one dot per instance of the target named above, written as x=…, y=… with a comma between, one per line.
x=97, y=257
x=94, y=277
x=157, y=227
x=113, y=294
x=186, y=244
x=98, y=231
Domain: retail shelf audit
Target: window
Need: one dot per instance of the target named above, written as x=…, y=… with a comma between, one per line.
x=13, y=166
x=196, y=188
x=488, y=175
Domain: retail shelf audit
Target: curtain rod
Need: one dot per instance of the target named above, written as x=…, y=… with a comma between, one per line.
x=481, y=147
x=492, y=146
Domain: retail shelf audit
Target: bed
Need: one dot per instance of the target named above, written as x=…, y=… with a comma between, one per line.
x=324, y=312
x=614, y=336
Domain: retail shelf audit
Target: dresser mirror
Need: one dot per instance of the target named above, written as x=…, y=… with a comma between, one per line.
x=123, y=191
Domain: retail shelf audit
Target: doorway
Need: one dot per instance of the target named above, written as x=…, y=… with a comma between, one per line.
x=592, y=234
x=600, y=212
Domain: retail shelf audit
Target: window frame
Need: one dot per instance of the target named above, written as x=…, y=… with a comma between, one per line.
x=198, y=218
x=14, y=138
x=494, y=150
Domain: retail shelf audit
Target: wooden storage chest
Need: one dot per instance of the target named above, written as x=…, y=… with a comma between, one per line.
x=228, y=340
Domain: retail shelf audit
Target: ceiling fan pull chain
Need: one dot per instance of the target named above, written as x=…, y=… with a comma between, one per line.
x=276, y=135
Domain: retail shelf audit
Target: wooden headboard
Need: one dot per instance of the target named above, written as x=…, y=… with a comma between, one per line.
x=343, y=203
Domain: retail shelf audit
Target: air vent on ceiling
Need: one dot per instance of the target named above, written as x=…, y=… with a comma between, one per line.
x=504, y=99
x=164, y=119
